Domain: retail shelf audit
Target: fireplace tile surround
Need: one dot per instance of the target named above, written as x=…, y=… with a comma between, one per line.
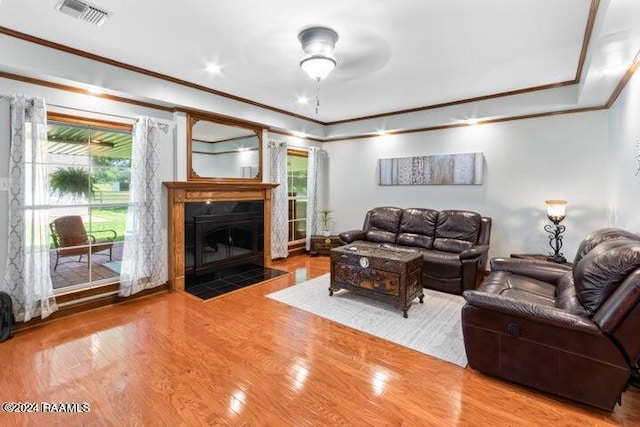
x=181, y=192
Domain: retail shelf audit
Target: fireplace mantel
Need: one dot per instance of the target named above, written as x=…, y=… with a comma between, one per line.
x=181, y=192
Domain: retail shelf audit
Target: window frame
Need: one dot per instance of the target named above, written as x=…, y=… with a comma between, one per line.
x=300, y=153
x=72, y=293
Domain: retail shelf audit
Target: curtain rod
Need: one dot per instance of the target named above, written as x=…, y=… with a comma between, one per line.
x=93, y=112
x=295, y=147
x=164, y=126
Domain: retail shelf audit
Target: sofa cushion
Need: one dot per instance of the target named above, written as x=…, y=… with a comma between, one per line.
x=457, y=225
x=599, y=236
x=417, y=227
x=383, y=224
x=441, y=264
x=603, y=269
x=516, y=286
x=452, y=245
x=381, y=236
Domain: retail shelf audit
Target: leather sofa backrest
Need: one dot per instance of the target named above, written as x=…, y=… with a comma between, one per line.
x=456, y=230
x=619, y=316
x=417, y=227
x=382, y=224
x=485, y=231
x=599, y=236
x=603, y=269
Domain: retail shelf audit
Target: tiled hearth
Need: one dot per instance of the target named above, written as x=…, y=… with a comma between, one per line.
x=229, y=279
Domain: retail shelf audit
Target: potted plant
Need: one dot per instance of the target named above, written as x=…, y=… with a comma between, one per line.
x=72, y=181
x=325, y=219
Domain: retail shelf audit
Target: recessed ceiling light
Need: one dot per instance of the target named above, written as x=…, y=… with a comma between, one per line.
x=300, y=134
x=213, y=68
x=471, y=122
x=381, y=132
x=303, y=100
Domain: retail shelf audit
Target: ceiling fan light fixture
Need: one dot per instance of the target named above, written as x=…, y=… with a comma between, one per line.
x=318, y=43
x=318, y=66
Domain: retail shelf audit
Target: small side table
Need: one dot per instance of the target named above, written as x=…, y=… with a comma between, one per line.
x=538, y=257
x=322, y=245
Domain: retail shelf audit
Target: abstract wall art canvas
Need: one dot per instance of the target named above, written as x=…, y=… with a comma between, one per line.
x=447, y=169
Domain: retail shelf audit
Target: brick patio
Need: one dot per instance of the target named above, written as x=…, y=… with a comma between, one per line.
x=70, y=272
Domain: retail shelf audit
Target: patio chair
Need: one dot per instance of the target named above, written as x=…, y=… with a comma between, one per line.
x=71, y=238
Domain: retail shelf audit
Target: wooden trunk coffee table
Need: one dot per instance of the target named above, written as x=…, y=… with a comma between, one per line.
x=380, y=273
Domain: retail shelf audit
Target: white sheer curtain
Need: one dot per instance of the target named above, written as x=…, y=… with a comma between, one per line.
x=279, y=201
x=314, y=192
x=27, y=278
x=143, y=264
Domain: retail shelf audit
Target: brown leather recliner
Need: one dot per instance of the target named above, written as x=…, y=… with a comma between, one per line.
x=572, y=332
x=454, y=244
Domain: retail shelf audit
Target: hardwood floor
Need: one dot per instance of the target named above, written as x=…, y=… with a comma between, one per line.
x=244, y=360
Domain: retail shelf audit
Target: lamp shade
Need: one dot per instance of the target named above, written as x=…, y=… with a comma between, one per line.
x=556, y=209
x=317, y=66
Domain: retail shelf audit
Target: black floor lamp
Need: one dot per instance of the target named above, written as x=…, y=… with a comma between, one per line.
x=556, y=213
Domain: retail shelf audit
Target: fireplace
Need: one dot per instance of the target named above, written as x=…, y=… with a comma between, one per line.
x=223, y=234
x=250, y=238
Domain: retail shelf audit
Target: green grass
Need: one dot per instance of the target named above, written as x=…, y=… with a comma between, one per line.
x=108, y=219
x=101, y=196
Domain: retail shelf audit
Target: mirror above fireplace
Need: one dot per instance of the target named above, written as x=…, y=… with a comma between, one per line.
x=220, y=150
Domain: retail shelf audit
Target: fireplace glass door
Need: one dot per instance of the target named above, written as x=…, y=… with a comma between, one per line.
x=222, y=234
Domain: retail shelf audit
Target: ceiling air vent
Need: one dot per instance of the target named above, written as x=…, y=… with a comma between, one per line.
x=82, y=10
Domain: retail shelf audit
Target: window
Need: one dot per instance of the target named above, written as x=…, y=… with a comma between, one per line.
x=88, y=165
x=297, y=182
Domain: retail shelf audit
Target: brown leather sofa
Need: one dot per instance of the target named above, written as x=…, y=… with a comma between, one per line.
x=454, y=244
x=572, y=332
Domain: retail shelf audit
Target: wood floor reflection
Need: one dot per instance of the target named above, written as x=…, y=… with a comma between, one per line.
x=244, y=360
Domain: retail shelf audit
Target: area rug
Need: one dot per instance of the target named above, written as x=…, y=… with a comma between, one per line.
x=434, y=328
x=113, y=266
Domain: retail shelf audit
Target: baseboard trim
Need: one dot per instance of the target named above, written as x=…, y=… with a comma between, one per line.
x=297, y=248
x=86, y=302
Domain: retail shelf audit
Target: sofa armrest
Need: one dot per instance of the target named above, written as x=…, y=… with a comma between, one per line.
x=538, y=313
x=352, y=236
x=474, y=252
x=541, y=270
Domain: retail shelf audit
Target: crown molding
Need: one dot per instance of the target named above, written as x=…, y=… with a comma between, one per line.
x=593, y=10
x=140, y=70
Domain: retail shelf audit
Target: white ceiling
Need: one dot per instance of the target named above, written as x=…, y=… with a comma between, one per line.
x=392, y=55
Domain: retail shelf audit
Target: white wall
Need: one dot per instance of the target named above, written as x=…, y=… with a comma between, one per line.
x=624, y=143
x=526, y=162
